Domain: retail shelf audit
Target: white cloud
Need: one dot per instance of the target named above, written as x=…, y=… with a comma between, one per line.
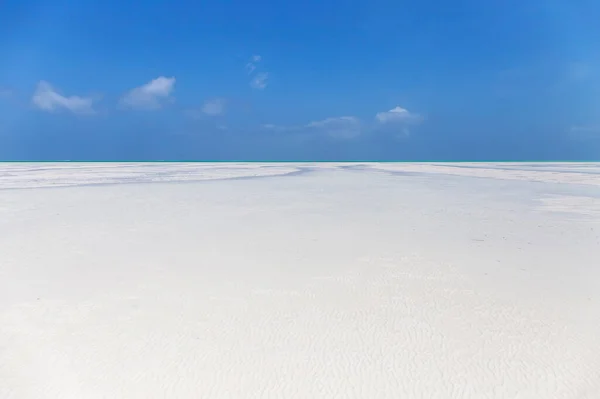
x=395, y=122
x=214, y=107
x=48, y=99
x=251, y=65
x=260, y=81
x=397, y=115
x=152, y=95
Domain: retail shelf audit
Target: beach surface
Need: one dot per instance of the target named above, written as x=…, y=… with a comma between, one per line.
x=300, y=280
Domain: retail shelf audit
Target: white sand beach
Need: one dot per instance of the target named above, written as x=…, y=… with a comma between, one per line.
x=300, y=281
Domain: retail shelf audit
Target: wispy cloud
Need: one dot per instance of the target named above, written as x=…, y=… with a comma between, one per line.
x=251, y=65
x=259, y=81
x=279, y=128
x=343, y=127
x=393, y=122
x=396, y=122
x=214, y=107
x=46, y=98
x=150, y=96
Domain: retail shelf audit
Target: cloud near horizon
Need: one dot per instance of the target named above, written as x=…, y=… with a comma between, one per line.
x=154, y=94
x=46, y=98
x=150, y=96
x=394, y=121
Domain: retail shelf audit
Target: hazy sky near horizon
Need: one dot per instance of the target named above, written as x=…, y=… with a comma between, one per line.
x=310, y=80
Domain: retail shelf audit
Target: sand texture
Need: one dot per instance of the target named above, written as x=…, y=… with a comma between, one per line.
x=300, y=281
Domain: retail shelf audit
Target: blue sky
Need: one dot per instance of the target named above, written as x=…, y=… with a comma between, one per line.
x=311, y=80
